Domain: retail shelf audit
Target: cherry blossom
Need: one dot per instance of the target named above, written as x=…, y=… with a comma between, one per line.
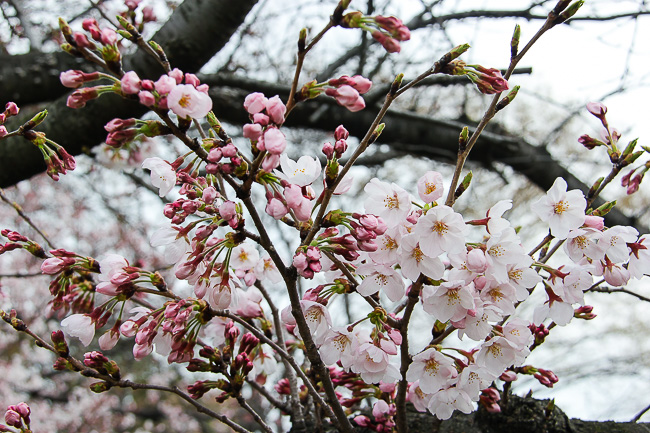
x=639, y=264
x=564, y=211
x=441, y=230
x=380, y=277
x=390, y=202
x=414, y=261
x=163, y=175
x=448, y=301
x=430, y=186
x=444, y=402
x=80, y=326
x=186, y=101
x=302, y=172
x=433, y=369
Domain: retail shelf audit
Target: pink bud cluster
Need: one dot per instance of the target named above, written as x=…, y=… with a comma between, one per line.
x=17, y=416
x=388, y=31
x=348, y=90
x=182, y=93
x=307, y=262
x=345, y=90
x=11, y=109
x=488, y=80
x=148, y=14
x=18, y=241
x=105, y=36
x=267, y=115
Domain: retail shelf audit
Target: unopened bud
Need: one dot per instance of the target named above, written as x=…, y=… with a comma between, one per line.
x=467, y=180
x=376, y=133
x=604, y=209
x=595, y=187
x=127, y=25
x=302, y=40
x=463, y=139
x=507, y=99
x=65, y=29
x=396, y=84
x=569, y=12
x=36, y=120
x=629, y=159
x=629, y=148
x=514, y=42
x=99, y=387
x=126, y=35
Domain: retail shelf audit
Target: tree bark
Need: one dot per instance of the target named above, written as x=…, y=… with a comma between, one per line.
x=519, y=415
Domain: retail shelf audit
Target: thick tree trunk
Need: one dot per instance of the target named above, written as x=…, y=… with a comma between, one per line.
x=520, y=415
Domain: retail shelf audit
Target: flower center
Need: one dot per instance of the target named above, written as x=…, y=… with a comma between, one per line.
x=440, y=228
x=185, y=101
x=391, y=202
x=561, y=207
x=431, y=367
x=430, y=187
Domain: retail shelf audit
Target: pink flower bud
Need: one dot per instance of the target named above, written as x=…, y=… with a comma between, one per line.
x=108, y=37
x=132, y=4
x=598, y=109
x=82, y=41
x=3, y=131
x=89, y=23
x=118, y=124
x=476, y=261
x=595, y=222
x=276, y=208
x=13, y=419
x=340, y=133
x=276, y=109
x=328, y=150
x=148, y=15
x=229, y=150
x=255, y=103
x=192, y=79
x=11, y=109
x=252, y=131
x=146, y=98
x=274, y=141
x=165, y=84
x=130, y=83
x=177, y=75
x=228, y=210
x=74, y=79
x=79, y=97
x=391, y=45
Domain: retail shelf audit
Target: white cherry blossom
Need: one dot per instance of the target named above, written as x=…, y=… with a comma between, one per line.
x=163, y=175
x=441, y=230
x=434, y=370
x=381, y=277
x=302, y=172
x=80, y=326
x=390, y=202
x=563, y=210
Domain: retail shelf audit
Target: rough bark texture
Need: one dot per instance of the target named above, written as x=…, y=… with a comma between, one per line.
x=520, y=415
x=196, y=31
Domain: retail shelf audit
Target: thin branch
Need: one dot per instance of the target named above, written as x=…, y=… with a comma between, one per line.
x=23, y=215
x=619, y=290
x=638, y=416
